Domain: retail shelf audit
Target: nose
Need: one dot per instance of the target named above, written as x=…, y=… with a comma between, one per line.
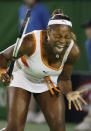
x=62, y=40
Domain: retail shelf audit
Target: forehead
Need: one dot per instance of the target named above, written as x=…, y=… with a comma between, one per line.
x=61, y=29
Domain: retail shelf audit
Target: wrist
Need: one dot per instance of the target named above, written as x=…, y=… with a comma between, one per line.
x=65, y=86
x=66, y=90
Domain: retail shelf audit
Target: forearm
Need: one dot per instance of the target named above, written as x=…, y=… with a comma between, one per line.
x=5, y=57
x=3, y=61
x=65, y=86
x=7, y=53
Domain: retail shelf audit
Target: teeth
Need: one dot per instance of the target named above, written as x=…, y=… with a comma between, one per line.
x=60, y=46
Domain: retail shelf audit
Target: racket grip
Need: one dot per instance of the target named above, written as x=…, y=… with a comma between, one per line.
x=11, y=66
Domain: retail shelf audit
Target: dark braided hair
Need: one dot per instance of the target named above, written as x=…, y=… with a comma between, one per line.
x=58, y=14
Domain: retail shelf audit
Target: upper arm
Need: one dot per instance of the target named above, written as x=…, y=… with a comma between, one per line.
x=26, y=48
x=27, y=45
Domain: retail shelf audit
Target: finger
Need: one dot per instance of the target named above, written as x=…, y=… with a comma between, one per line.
x=83, y=90
x=82, y=100
x=12, y=77
x=4, y=79
x=78, y=103
x=7, y=76
x=75, y=106
x=69, y=104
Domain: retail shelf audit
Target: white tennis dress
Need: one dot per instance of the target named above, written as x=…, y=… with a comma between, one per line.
x=31, y=76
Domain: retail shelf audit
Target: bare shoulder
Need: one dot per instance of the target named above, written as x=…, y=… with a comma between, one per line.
x=28, y=44
x=28, y=39
x=74, y=54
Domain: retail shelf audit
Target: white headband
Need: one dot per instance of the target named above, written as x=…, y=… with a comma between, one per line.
x=60, y=22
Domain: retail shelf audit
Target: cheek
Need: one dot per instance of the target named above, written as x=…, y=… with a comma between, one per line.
x=68, y=41
x=52, y=38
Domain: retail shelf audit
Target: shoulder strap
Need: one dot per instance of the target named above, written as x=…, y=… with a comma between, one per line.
x=67, y=52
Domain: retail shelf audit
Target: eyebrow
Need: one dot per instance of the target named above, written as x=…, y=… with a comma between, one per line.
x=56, y=34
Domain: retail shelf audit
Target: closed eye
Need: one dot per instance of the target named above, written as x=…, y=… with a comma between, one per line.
x=58, y=37
x=68, y=37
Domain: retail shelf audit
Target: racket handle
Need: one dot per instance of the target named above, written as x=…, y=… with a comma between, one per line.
x=11, y=67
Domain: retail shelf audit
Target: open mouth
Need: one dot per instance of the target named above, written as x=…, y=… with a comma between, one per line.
x=60, y=46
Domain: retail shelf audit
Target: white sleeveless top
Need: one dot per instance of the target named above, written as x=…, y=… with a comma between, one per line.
x=34, y=66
